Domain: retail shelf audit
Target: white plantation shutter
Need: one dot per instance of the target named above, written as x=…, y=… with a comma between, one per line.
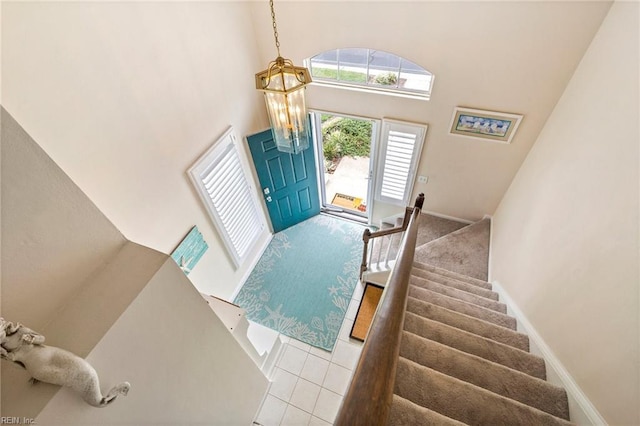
x=401, y=145
x=224, y=189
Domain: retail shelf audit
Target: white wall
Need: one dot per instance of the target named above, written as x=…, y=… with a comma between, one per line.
x=125, y=96
x=503, y=56
x=0, y=52
x=0, y=182
x=184, y=366
x=53, y=237
x=69, y=274
x=566, y=234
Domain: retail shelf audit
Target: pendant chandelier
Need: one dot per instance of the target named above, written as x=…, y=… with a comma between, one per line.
x=283, y=84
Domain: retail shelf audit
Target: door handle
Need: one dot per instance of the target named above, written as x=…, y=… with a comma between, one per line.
x=269, y=199
x=266, y=191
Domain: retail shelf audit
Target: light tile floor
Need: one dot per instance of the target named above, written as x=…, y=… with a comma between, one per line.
x=308, y=383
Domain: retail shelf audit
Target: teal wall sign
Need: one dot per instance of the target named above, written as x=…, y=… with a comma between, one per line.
x=190, y=250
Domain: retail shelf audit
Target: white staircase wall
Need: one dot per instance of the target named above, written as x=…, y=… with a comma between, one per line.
x=53, y=237
x=68, y=273
x=83, y=79
x=81, y=322
x=183, y=364
x=261, y=343
x=565, y=241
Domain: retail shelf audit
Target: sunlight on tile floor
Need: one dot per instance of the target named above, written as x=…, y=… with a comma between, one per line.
x=308, y=383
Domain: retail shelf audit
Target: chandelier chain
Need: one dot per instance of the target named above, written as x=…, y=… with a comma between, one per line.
x=275, y=28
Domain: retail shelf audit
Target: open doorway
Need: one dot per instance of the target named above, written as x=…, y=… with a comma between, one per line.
x=345, y=150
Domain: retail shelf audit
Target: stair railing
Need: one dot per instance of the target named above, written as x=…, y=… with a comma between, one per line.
x=369, y=397
x=373, y=241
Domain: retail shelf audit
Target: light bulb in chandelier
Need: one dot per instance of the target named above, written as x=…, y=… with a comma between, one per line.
x=283, y=85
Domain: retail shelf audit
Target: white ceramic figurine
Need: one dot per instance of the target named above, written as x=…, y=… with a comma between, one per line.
x=54, y=365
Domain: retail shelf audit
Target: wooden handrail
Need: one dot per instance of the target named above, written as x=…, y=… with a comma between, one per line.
x=401, y=228
x=368, y=400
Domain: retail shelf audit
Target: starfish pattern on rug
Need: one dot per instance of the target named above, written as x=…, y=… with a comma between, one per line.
x=303, y=283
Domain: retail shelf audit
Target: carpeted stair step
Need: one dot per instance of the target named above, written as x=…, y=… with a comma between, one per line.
x=486, y=374
x=475, y=345
x=468, y=323
x=452, y=282
x=459, y=294
x=465, y=251
x=429, y=228
x=405, y=413
x=463, y=401
x=462, y=307
x=452, y=274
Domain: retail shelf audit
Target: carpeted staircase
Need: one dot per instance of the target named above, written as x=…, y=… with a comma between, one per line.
x=461, y=359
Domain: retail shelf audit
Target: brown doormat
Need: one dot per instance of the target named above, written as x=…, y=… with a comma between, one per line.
x=366, y=311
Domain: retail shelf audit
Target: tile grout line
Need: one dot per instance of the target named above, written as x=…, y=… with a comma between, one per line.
x=305, y=348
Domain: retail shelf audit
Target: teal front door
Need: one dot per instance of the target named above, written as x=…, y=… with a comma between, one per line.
x=288, y=181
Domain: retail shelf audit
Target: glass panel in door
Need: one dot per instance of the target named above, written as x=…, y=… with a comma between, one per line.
x=344, y=145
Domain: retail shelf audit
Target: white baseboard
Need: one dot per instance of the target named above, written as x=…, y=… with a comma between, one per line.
x=391, y=219
x=444, y=216
x=582, y=411
x=378, y=277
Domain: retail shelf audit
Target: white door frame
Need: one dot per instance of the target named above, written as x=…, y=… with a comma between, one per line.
x=373, y=156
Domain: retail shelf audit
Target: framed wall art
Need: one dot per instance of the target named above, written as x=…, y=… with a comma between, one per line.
x=487, y=125
x=190, y=250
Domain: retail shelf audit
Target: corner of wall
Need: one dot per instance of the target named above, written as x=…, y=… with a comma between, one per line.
x=184, y=365
x=80, y=325
x=490, y=258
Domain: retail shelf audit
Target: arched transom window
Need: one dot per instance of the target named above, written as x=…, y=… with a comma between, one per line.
x=371, y=70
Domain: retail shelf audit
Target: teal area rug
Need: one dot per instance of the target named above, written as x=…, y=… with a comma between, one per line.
x=304, y=281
